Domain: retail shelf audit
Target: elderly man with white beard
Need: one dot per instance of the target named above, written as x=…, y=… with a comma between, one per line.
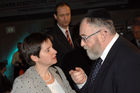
x=117, y=69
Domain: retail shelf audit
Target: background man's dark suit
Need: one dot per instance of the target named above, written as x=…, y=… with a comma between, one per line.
x=120, y=72
x=60, y=43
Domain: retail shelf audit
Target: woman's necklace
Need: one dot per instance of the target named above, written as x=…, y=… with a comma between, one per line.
x=50, y=77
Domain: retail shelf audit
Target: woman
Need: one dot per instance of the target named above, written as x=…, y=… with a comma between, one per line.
x=42, y=77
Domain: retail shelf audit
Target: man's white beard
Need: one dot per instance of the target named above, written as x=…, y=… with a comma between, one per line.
x=93, y=53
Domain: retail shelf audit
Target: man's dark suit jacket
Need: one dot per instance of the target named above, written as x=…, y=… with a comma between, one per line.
x=120, y=72
x=60, y=43
x=76, y=58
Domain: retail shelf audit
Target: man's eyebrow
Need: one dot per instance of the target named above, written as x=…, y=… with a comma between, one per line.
x=82, y=34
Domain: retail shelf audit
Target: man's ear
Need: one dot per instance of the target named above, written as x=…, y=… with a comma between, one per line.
x=55, y=16
x=34, y=58
x=103, y=35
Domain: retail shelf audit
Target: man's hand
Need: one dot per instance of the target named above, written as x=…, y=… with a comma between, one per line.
x=78, y=75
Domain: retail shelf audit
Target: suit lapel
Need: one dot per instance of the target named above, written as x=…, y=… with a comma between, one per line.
x=61, y=37
x=107, y=63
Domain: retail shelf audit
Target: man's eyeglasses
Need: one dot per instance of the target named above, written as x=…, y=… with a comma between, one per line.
x=84, y=38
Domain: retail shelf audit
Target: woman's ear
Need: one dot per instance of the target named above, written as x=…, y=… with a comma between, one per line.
x=34, y=58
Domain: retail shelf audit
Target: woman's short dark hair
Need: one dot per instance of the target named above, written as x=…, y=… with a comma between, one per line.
x=32, y=45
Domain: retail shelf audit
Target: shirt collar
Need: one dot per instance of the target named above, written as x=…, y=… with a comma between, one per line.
x=62, y=29
x=107, y=49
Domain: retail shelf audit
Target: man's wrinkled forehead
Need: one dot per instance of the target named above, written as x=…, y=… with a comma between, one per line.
x=85, y=28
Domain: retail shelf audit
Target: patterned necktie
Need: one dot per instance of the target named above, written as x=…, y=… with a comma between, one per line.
x=68, y=38
x=95, y=71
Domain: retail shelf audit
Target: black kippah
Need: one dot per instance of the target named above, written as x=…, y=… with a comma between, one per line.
x=98, y=13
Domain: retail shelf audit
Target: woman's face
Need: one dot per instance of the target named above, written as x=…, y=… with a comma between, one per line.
x=47, y=55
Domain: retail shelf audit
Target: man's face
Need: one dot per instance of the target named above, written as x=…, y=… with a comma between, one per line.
x=136, y=32
x=63, y=16
x=92, y=44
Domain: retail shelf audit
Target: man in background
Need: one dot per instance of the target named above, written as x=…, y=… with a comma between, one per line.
x=61, y=32
x=136, y=31
x=18, y=62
